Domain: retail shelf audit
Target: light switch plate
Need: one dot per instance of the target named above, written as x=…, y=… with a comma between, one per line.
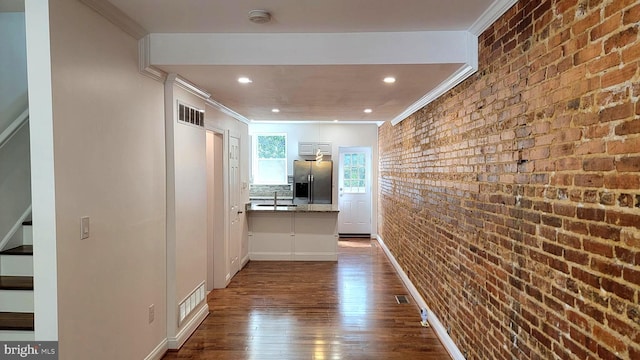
x=84, y=227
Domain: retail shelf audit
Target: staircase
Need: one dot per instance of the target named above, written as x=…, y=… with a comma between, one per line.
x=16, y=289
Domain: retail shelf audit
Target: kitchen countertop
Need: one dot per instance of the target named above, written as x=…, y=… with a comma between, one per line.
x=298, y=208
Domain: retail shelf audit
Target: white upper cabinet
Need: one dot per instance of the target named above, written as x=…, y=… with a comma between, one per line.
x=310, y=148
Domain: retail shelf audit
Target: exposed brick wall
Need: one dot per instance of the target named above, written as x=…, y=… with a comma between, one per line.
x=513, y=201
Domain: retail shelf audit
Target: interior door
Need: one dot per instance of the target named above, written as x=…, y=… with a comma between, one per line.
x=235, y=210
x=354, y=191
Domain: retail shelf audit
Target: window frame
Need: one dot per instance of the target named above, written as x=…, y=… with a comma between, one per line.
x=255, y=161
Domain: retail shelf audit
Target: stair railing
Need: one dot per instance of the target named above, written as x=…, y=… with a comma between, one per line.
x=13, y=128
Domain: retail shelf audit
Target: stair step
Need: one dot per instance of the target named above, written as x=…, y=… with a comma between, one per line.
x=19, y=250
x=16, y=265
x=16, y=282
x=16, y=321
x=14, y=335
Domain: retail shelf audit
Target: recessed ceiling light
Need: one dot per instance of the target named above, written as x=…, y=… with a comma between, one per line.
x=368, y=111
x=274, y=110
x=389, y=80
x=244, y=80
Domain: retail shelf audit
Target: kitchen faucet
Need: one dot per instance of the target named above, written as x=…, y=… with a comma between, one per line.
x=275, y=198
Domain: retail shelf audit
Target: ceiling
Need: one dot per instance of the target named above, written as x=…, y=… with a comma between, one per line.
x=315, y=60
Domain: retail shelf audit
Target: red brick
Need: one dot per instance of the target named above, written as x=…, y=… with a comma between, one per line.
x=632, y=15
x=628, y=164
x=606, y=267
x=621, y=290
x=623, y=219
x=607, y=337
x=618, y=76
x=590, y=214
x=589, y=180
x=631, y=53
x=586, y=277
x=604, y=231
x=597, y=247
x=576, y=256
x=629, y=127
x=621, y=39
x=631, y=275
x=623, y=181
x=617, y=112
x=598, y=164
x=626, y=146
x=590, y=147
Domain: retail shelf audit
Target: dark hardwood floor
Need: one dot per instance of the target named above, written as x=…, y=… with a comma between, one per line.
x=314, y=310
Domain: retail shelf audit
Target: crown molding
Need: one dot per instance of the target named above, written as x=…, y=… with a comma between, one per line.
x=466, y=70
x=144, y=65
x=493, y=12
x=117, y=17
x=227, y=111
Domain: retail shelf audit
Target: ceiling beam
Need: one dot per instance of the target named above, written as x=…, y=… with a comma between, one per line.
x=420, y=47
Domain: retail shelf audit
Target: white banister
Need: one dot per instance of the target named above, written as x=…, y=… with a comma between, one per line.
x=14, y=127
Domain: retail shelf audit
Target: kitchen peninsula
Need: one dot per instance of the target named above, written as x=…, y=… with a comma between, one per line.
x=304, y=232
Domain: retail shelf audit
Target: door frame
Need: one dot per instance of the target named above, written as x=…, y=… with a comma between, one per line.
x=221, y=244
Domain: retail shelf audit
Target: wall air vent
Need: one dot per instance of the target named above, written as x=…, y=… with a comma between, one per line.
x=190, y=115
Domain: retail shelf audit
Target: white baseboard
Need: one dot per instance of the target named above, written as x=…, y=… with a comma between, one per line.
x=158, y=352
x=245, y=261
x=189, y=327
x=435, y=323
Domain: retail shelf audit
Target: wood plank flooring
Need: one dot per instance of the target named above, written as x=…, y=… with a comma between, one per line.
x=16, y=321
x=314, y=310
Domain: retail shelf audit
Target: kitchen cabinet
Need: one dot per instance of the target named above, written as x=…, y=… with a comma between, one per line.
x=306, y=148
x=293, y=233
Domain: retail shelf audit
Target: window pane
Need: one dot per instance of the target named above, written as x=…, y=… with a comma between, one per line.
x=272, y=171
x=271, y=147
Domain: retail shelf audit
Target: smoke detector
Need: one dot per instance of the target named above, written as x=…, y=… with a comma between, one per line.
x=259, y=16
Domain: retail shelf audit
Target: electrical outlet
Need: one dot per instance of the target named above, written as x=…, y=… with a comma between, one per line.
x=152, y=313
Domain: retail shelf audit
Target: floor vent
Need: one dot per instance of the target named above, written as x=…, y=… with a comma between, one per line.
x=402, y=299
x=190, y=115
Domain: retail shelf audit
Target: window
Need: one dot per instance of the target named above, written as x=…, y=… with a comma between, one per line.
x=354, y=176
x=270, y=159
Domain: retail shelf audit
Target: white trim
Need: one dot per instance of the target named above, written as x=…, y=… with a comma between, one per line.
x=245, y=261
x=158, y=352
x=435, y=323
x=192, y=88
x=189, y=327
x=227, y=110
x=456, y=78
x=144, y=67
x=493, y=12
x=15, y=227
x=14, y=127
x=117, y=17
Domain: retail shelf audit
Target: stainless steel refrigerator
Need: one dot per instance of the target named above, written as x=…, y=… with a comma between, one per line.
x=312, y=182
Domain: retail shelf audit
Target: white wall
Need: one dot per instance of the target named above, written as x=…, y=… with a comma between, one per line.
x=187, y=204
x=109, y=158
x=13, y=67
x=341, y=135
